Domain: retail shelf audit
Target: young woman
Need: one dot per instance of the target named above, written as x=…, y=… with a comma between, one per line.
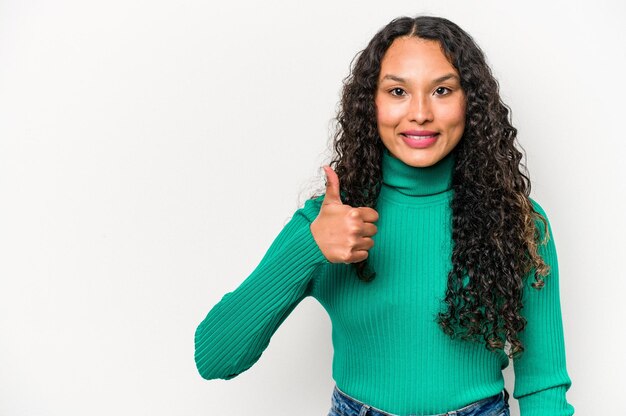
x=425, y=250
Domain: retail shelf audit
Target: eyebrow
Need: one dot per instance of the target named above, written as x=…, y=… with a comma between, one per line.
x=435, y=81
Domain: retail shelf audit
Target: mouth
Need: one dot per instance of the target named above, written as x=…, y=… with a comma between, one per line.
x=419, y=139
x=419, y=134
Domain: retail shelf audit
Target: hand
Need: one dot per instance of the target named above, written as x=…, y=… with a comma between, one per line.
x=343, y=233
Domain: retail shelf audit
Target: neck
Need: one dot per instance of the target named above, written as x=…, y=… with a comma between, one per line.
x=410, y=181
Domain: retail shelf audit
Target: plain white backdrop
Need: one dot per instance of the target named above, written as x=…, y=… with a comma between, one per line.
x=150, y=151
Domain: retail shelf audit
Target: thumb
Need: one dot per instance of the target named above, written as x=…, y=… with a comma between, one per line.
x=332, y=187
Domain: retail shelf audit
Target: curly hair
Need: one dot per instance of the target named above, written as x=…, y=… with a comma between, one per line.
x=494, y=227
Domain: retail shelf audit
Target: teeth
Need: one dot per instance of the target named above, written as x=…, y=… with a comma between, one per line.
x=419, y=137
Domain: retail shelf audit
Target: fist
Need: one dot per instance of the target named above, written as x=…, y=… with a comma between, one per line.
x=343, y=233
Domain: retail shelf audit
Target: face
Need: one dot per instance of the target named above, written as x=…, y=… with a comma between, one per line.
x=420, y=106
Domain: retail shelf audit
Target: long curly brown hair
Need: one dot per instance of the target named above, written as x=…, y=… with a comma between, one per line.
x=493, y=221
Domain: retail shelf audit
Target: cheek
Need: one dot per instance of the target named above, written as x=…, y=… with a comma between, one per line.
x=387, y=115
x=454, y=116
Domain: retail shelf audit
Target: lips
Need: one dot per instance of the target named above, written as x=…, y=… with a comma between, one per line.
x=419, y=134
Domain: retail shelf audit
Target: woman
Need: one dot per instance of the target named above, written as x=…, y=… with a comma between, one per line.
x=425, y=250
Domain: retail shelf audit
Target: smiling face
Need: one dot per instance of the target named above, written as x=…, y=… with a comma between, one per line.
x=420, y=106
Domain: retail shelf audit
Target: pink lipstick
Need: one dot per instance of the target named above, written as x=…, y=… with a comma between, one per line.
x=419, y=139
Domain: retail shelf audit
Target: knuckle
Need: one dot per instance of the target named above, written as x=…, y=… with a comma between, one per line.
x=353, y=212
x=346, y=257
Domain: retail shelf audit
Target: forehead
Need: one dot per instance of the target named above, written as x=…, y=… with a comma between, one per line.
x=410, y=55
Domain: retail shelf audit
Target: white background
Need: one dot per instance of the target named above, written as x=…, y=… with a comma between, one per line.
x=150, y=151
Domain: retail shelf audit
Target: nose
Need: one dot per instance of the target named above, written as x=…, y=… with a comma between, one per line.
x=420, y=109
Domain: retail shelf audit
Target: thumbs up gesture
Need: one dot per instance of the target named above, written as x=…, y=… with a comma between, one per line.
x=343, y=233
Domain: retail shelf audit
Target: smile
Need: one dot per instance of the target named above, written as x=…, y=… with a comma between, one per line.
x=414, y=137
x=419, y=141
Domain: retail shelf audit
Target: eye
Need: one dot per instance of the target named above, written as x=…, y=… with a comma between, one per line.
x=397, y=91
x=442, y=91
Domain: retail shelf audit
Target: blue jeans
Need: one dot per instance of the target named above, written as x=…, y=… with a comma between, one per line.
x=497, y=405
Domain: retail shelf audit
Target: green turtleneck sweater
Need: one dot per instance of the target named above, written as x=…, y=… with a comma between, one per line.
x=388, y=350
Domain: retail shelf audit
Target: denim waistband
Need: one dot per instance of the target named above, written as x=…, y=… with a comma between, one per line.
x=361, y=409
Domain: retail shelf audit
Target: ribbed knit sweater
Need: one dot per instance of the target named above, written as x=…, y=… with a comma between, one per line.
x=388, y=350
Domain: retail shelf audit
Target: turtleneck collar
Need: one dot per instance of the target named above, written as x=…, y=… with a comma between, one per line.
x=408, y=183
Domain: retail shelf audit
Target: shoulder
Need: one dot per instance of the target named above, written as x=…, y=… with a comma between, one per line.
x=539, y=223
x=537, y=207
x=311, y=208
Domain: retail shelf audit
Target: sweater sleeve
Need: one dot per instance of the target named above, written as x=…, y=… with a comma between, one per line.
x=541, y=378
x=236, y=331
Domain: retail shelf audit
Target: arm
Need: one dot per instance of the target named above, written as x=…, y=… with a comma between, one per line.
x=237, y=330
x=541, y=378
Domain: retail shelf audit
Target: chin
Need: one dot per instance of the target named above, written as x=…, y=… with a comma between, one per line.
x=418, y=162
